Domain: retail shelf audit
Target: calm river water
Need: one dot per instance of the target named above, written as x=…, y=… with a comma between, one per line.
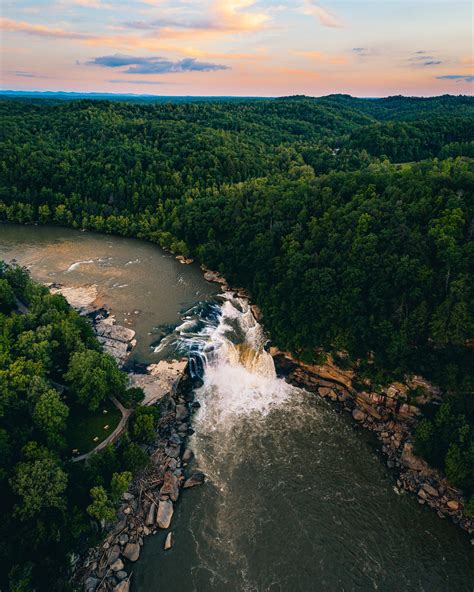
x=297, y=500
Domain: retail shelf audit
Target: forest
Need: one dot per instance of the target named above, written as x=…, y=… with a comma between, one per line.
x=349, y=220
x=52, y=507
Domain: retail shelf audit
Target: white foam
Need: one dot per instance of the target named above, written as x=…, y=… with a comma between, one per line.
x=78, y=264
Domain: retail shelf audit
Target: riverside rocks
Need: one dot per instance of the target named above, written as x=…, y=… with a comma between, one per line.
x=149, y=504
x=168, y=541
x=164, y=514
x=389, y=413
x=132, y=551
x=195, y=479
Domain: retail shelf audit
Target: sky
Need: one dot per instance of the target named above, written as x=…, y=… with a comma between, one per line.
x=366, y=48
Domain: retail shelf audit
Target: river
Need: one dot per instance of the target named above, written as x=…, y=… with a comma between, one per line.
x=297, y=499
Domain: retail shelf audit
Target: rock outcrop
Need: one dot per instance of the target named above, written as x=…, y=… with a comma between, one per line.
x=390, y=412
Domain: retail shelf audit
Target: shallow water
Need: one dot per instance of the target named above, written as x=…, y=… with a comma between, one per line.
x=296, y=500
x=142, y=285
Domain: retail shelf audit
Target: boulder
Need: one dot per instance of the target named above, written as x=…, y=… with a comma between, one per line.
x=453, y=505
x=117, y=565
x=132, y=551
x=91, y=583
x=181, y=412
x=430, y=490
x=150, y=518
x=168, y=541
x=410, y=460
x=164, y=514
x=172, y=451
x=195, y=479
x=124, y=586
x=358, y=415
x=123, y=539
x=128, y=496
x=121, y=575
x=188, y=455
x=170, y=486
x=114, y=554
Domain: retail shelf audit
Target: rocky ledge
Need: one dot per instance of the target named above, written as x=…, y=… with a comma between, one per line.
x=118, y=341
x=148, y=506
x=392, y=415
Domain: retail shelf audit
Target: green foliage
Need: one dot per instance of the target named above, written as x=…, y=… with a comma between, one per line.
x=40, y=484
x=7, y=296
x=135, y=459
x=92, y=376
x=144, y=422
x=102, y=507
x=50, y=415
x=349, y=221
x=119, y=484
x=43, y=345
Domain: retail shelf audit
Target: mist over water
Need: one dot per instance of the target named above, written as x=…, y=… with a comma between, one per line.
x=296, y=499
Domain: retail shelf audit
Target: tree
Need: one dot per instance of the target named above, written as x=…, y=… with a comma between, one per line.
x=93, y=376
x=40, y=484
x=119, y=484
x=144, y=424
x=50, y=415
x=135, y=459
x=101, y=508
x=7, y=296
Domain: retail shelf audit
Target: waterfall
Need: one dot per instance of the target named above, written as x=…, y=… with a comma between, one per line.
x=226, y=349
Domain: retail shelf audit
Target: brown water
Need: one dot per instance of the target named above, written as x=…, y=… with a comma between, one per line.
x=142, y=285
x=297, y=500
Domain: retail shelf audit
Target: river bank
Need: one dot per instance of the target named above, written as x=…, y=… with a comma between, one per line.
x=389, y=412
x=148, y=506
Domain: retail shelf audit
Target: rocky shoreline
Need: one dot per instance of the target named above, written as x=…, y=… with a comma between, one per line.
x=148, y=506
x=389, y=412
x=391, y=415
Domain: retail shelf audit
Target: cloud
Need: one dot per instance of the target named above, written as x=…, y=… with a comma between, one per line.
x=326, y=17
x=40, y=30
x=323, y=58
x=423, y=58
x=155, y=65
x=23, y=74
x=457, y=77
x=468, y=60
x=226, y=17
x=122, y=81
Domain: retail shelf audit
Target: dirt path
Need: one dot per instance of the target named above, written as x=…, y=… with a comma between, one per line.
x=122, y=424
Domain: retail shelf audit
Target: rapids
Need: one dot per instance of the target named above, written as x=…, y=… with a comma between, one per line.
x=296, y=499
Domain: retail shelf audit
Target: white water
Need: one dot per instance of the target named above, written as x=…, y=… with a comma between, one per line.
x=239, y=375
x=295, y=499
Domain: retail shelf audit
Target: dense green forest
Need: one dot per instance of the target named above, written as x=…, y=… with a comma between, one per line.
x=349, y=220
x=50, y=363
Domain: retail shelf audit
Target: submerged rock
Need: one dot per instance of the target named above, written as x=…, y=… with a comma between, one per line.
x=124, y=586
x=188, y=455
x=168, y=541
x=195, y=479
x=358, y=415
